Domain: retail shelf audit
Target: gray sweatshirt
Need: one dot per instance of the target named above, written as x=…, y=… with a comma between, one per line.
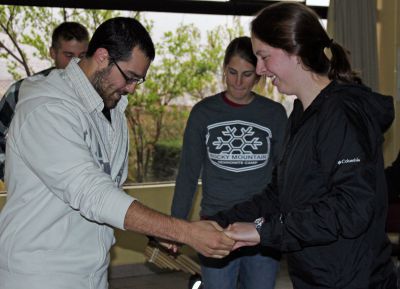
x=234, y=149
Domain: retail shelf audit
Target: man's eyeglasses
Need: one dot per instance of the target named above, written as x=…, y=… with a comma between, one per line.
x=129, y=80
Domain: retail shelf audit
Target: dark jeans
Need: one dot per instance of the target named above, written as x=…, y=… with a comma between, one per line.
x=251, y=268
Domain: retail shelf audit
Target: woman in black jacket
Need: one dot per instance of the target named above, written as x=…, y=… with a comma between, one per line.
x=326, y=205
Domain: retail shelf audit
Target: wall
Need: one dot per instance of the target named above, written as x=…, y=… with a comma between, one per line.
x=2, y=200
x=388, y=28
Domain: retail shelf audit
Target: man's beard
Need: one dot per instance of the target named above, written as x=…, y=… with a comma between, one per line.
x=98, y=80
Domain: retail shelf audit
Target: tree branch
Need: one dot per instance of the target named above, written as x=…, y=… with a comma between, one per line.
x=10, y=52
x=21, y=60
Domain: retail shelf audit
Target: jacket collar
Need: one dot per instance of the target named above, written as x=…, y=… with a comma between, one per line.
x=299, y=116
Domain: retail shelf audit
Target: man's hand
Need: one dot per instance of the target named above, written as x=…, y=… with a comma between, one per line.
x=208, y=238
x=245, y=234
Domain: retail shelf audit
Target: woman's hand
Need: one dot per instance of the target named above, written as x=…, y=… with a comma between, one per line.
x=245, y=234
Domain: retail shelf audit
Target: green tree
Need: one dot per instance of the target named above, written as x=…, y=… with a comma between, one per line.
x=183, y=68
x=30, y=28
x=23, y=28
x=177, y=71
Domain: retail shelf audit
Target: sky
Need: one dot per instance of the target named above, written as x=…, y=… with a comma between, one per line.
x=170, y=21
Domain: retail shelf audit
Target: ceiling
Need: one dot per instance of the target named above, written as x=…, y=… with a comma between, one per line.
x=229, y=7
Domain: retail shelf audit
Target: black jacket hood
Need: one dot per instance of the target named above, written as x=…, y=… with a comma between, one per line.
x=379, y=108
x=370, y=112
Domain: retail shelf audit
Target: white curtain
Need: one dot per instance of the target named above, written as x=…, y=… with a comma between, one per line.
x=352, y=23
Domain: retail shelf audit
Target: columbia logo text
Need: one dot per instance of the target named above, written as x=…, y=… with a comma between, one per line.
x=348, y=161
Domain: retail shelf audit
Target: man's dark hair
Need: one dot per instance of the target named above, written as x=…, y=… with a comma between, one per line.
x=119, y=36
x=69, y=31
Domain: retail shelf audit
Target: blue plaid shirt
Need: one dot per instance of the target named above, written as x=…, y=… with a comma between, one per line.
x=7, y=108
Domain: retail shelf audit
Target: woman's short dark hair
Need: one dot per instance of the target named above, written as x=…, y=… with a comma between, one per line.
x=119, y=36
x=297, y=29
x=240, y=46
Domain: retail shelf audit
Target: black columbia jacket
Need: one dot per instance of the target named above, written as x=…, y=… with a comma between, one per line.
x=326, y=205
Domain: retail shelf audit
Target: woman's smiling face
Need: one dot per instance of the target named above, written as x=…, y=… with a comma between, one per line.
x=276, y=64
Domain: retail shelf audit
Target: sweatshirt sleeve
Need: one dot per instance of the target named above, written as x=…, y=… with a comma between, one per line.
x=347, y=207
x=51, y=143
x=192, y=158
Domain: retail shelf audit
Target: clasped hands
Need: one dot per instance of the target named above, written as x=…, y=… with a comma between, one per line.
x=211, y=240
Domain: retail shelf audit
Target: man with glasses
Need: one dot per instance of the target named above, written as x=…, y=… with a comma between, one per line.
x=67, y=155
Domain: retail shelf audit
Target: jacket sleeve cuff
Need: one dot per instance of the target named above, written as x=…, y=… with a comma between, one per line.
x=115, y=207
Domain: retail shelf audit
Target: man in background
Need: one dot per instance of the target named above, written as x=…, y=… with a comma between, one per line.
x=69, y=39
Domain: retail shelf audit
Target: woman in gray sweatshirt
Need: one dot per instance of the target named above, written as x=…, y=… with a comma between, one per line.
x=233, y=140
